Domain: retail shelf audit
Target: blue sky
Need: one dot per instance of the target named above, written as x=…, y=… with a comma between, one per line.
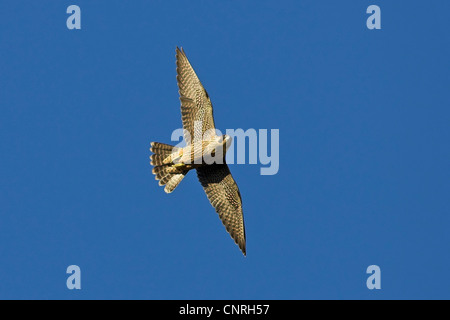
x=364, y=158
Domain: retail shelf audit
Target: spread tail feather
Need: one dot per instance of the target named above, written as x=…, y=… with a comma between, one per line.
x=166, y=173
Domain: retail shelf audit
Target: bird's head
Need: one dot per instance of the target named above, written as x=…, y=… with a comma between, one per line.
x=220, y=146
x=225, y=140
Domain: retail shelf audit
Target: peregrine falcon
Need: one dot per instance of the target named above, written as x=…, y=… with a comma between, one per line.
x=171, y=164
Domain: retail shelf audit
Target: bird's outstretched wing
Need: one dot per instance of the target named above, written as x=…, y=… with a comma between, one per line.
x=224, y=195
x=195, y=103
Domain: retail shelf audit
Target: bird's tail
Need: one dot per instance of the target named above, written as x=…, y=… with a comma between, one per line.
x=166, y=171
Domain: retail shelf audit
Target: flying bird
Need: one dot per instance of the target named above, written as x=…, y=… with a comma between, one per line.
x=171, y=164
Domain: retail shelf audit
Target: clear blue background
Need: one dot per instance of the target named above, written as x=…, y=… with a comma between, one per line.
x=364, y=149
